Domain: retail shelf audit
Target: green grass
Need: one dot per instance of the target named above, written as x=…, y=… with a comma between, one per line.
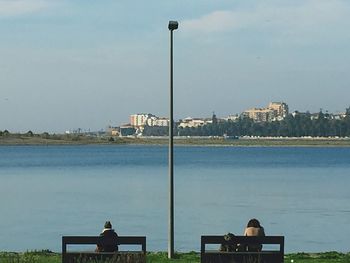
x=318, y=257
x=79, y=139
x=191, y=257
x=30, y=257
x=161, y=257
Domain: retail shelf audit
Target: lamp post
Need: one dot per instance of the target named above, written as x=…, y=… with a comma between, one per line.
x=173, y=25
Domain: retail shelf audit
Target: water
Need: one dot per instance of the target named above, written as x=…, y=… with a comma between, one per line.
x=47, y=192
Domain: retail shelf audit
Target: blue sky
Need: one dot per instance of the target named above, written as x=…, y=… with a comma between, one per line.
x=88, y=64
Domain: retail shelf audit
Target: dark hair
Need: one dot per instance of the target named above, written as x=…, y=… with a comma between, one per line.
x=254, y=223
x=108, y=224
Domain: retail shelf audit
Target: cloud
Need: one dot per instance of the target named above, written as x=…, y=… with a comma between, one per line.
x=10, y=8
x=298, y=19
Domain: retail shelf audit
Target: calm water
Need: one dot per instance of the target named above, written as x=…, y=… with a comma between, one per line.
x=47, y=192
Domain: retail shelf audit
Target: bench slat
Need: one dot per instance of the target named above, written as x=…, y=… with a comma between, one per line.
x=91, y=240
x=244, y=239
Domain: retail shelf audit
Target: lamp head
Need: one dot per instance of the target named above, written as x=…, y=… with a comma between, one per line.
x=173, y=25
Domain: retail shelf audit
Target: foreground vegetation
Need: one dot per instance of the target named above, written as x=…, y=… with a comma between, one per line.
x=155, y=257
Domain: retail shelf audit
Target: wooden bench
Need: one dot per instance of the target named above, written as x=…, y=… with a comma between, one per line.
x=138, y=256
x=271, y=255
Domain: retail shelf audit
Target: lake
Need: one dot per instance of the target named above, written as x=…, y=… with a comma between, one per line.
x=50, y=191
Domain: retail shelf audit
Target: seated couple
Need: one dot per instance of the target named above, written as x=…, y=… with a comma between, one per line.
x=253, y=229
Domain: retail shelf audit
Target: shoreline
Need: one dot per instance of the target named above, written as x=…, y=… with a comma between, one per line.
x=183, y=142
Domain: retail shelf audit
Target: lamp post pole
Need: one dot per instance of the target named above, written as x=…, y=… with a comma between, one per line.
x=173, y=25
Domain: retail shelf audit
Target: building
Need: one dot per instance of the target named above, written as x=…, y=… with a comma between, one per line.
x=140, y=119
x=232, y=117
x=156, y=121
x=127, y=130
x=260, y=115
x=280, y=108
x=275, y=111
x=113, y=131
x=161, y=122
x=191, y=122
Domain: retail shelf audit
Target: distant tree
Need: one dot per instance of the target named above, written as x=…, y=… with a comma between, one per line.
x=347, y=112
x=156, y=131
x=214, y=119
x=292, y=126
x=45, y=135
x=30, y=134
x=346, y=123
x=6, y=133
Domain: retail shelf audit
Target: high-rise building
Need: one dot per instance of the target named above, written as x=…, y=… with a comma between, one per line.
x=274, y=111
x=259, y=115
x=280, y=108
x=139, y=119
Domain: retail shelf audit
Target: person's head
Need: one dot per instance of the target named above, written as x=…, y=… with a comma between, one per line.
x=228, y=236
x=253, y=223
x=108, y=225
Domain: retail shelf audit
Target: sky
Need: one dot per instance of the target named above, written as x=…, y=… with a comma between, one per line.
x=69, y=64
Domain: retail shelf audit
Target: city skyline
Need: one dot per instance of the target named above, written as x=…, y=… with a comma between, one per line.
x=89, y=64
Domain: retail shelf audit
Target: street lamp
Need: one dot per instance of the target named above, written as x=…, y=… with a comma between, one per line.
x=173, y=25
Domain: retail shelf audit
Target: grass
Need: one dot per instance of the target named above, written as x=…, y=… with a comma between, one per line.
x=161, y=257
x=80, y=139
x=30, y=257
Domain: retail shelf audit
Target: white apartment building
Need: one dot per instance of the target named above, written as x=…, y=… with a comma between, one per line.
x=232, y=117
x=156, y=121
x=161, y=122
x=141, y=119
x=191, y=122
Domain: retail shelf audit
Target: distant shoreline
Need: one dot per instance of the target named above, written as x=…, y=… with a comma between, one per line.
x=179, y=141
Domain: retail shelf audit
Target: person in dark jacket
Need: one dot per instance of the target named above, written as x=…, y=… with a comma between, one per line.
x=109, y=240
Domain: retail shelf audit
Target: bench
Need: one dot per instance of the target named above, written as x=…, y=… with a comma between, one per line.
x=271, y=255
x=110, y=257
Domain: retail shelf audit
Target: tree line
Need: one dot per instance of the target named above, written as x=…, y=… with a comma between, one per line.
x=297, y=125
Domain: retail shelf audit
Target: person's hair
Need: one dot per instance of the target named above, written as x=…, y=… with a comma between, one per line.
x=253, y=223
x=108, y=225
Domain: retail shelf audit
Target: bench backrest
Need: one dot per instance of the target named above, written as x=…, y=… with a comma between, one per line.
x=94, y=240
x=275, y=255
x=92, y=256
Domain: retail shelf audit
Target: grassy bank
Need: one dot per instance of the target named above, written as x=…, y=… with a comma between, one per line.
x=160, y=257
x=81, y=139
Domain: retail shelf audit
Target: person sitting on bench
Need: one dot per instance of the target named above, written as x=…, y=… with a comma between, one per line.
x=254, y=229
x=228, y=248
x=110, y=239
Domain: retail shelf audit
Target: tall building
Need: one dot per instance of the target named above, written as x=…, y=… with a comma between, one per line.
x=274, y=111
x=259, y=115
x=280, y=108
x=139, y=119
